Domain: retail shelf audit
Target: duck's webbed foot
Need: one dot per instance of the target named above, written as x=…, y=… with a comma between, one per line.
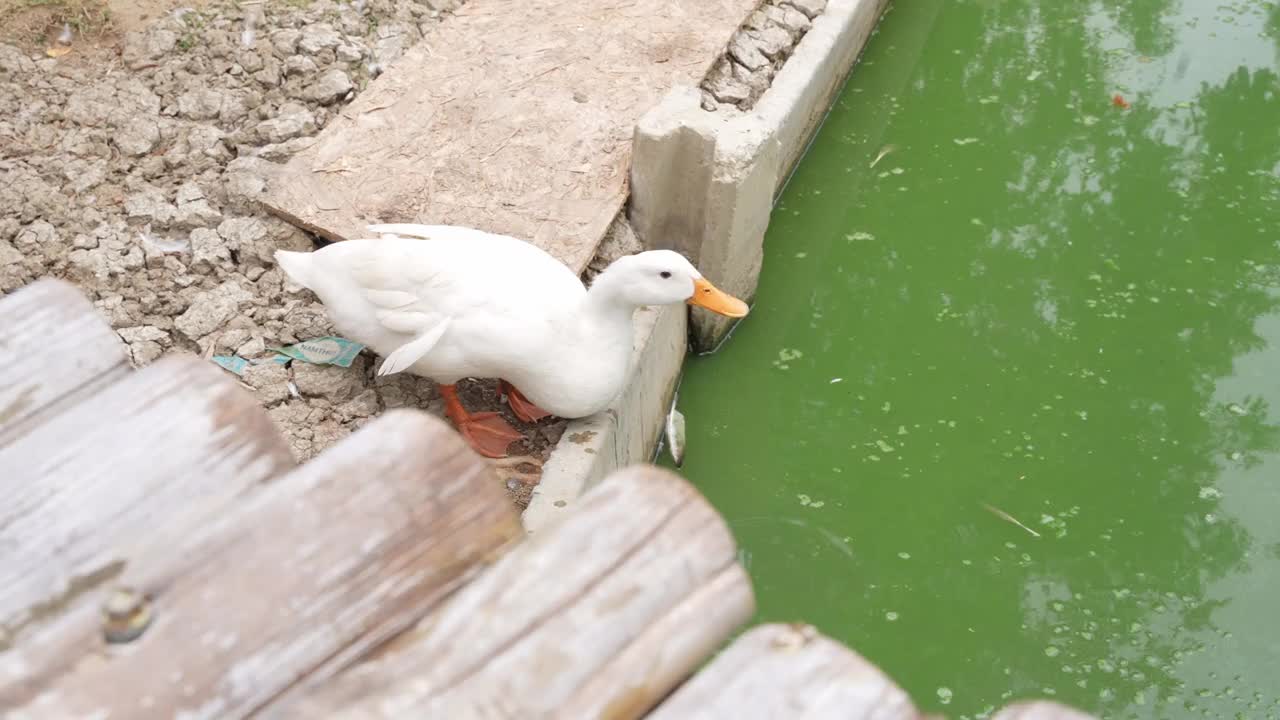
x=520, y=405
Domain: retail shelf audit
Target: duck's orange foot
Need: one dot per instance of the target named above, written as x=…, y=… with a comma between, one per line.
x=520, y=405
x=487, y=432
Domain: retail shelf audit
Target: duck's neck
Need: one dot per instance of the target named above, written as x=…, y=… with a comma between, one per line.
x=604, y=308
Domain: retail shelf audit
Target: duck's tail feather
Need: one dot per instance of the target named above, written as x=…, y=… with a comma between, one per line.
x=297, y=265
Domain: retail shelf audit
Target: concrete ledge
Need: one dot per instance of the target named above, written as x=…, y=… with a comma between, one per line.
x=704, y=182
x=802, y=93
x=627, y=431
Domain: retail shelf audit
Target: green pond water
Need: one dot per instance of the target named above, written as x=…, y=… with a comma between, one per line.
x=1039, y=302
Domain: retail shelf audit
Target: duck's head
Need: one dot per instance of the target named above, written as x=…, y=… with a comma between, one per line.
x=665, y=277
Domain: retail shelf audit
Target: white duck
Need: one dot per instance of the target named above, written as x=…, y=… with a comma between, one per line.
x=453, y=302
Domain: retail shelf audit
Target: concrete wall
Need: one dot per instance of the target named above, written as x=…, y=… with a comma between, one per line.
x=704, y=182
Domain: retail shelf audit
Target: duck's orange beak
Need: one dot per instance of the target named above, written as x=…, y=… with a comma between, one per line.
x=716, y=300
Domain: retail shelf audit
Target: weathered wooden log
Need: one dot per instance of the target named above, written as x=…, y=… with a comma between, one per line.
x=786, y=671
x=55, y=350
x=298, y=580
x=604, y=613
x=176, y=437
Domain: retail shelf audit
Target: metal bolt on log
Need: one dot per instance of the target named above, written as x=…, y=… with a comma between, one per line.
x=127, y=614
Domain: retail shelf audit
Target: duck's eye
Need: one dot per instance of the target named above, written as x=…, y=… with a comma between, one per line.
x=665, y=274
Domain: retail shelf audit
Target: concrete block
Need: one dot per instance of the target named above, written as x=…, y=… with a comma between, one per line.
x=627, y=431
x=702, y=183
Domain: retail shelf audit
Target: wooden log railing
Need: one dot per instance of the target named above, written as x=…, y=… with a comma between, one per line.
x=163, y=556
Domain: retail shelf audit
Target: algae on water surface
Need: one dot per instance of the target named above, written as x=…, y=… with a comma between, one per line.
x=1044, y=300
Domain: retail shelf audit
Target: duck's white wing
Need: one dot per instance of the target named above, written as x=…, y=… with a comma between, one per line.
x=405, y=291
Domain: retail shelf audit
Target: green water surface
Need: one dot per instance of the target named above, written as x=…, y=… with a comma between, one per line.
x=1041, y=302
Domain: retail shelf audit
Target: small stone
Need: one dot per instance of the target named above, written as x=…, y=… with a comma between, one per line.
x=349, y=53
x=208, y=250
x=139, y=137
x=361, y=406
x=300, y=65
x=285, y=41
x=211, y=310
x=203, y=104
x=149, y=206
x=792, y=19
x=330, y=87
x=746, y=50
x=252, y=347
x=15, y=62
x=723, y=86
x=810, y=8
x=270, y=380
x=142, y=48
x=318, y=37
x=292, y=121
x=774, y=42
x=196, y=214
x=331, y=382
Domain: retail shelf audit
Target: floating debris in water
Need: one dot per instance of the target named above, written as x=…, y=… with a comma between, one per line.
x=1236, y=409
x=1210, y=493
x=675, y=434
x=1008, y=518
x=904, y=555
x=891, y=616
x=860, y=235
x=807, y=501
x=785, y=356
x=965, y=141
x=945, y=695
x=884, y=151
x=836, y=380
x=1119, y=101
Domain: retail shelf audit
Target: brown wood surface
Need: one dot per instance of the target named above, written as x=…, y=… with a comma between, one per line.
x=511, y=116
x=54, y=349
x=298, y=580
x=175, y=440
x=607, y=609
x=787, y=671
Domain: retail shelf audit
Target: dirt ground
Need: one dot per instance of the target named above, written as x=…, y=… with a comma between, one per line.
x=134, y=137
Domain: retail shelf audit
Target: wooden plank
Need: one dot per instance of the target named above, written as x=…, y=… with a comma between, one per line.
x=54, y=348
x=791, y=671
x=176, y=439
x=610, y=598
x=512, y=116
x=310, y=573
